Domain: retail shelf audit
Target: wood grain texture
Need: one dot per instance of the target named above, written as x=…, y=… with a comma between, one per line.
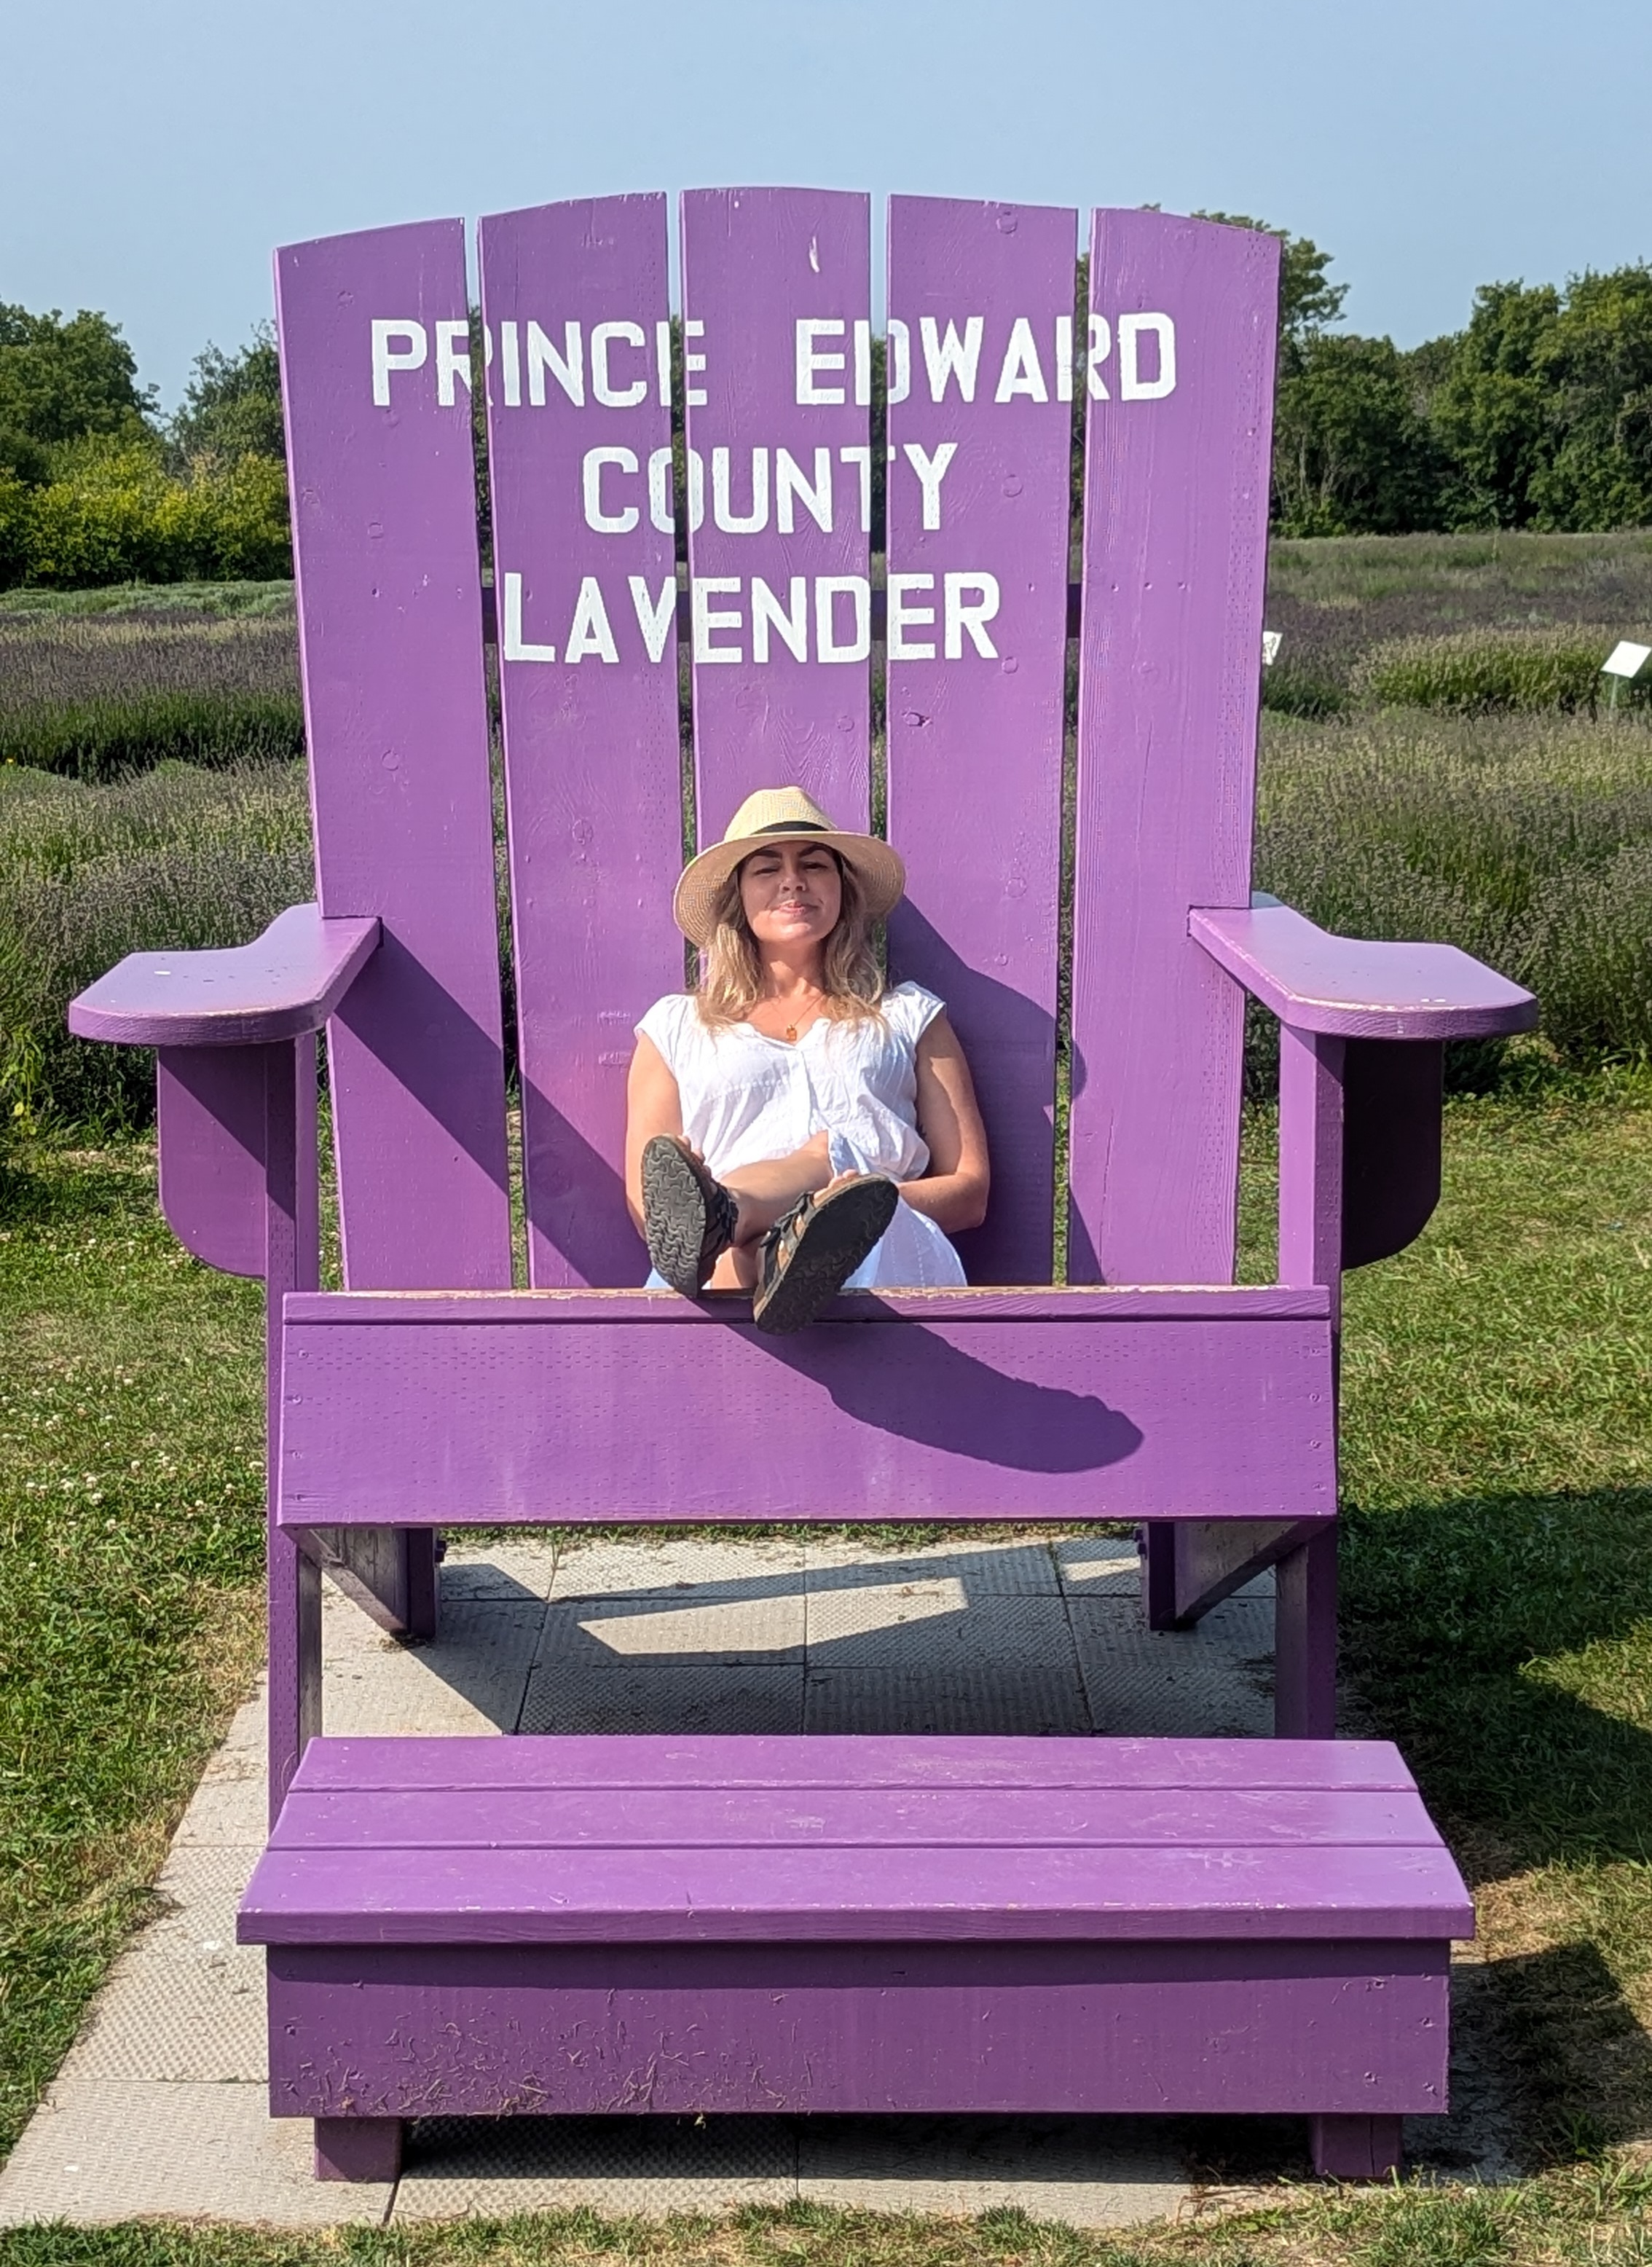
x=596, y=1761
x=692, y=2028
x=535, y=1419
x=1353, y=987
x=287, y=981
x=492, y=1862
x=755, y=263
x=390, y=639
x=1175, y=543
x=588, y=687
x=974, y=740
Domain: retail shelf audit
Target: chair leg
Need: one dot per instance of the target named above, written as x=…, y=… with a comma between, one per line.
x=1355, y=2148
x=295, y=1660
x=1305, y=1639
x=360, y=2148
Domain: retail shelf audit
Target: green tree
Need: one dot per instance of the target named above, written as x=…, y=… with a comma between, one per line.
x=231, y=406
x=1490, y=408
x=61, y=380
x=1308, y=301
x=1353, y=453
x=1596, y=361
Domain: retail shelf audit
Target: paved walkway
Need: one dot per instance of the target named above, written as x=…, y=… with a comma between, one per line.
x=160, y=2106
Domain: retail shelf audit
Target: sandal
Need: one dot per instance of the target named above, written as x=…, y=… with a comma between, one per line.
x=808, y=1256
x=688, y=1216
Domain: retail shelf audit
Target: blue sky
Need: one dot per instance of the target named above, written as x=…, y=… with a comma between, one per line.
x=154, y=150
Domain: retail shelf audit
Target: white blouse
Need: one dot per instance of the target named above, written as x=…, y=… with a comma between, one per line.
x=746, y=1097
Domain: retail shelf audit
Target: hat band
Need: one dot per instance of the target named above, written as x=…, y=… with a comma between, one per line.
x=789, y=827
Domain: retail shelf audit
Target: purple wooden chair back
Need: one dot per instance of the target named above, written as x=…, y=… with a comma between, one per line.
x=778, y=623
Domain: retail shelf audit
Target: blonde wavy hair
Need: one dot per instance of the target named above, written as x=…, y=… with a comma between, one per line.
x=731, y=969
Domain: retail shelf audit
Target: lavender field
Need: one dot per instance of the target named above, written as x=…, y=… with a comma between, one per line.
x=152, y=790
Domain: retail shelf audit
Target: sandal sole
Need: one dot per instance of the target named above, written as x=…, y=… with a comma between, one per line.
x=677, y=1214
x=838, y=1236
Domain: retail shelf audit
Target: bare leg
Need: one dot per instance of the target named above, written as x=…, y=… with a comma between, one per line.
x=766, y=1193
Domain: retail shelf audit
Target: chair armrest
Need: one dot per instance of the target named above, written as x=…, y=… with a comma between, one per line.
x=1350, y=987
x=288, y=981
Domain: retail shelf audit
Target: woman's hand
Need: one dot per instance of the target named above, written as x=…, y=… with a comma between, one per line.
x=953, y=1191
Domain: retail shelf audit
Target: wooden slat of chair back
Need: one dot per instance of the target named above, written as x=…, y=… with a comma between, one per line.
x=574, y=298
x=758, y=263
x=980, y=304
x=373, y=332
x=1184, y=315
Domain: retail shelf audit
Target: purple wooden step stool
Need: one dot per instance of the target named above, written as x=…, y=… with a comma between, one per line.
x=433, y=1392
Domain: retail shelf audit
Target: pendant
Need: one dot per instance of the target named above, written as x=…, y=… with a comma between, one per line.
x=791, y=1034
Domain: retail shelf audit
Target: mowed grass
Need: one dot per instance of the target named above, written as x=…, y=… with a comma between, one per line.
x=1498, y=1621
x=131, y=1486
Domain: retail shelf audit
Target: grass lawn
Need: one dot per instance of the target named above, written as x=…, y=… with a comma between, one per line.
x=1498, y=1620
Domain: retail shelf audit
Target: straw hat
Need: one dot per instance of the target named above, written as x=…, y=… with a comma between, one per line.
x=781, y=814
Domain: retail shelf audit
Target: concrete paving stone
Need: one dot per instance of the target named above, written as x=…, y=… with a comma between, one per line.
x=731, y=1631
x=683, y=1562
x=184, y=2002
x=108, y=2149
x=985, y=1569
x=969, y=1696
x=228, y=1809
x=518, y=1571
x=1098, y=1565
x=645, y=1696
x=460, y=2167
x=1090, y=2172
x=933, y=1622
x=1212, y=1682
x=472, y=1678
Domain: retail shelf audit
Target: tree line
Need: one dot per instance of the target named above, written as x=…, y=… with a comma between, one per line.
x=1537, y=415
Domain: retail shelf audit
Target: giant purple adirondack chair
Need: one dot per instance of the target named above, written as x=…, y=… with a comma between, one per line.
x=742, y=1924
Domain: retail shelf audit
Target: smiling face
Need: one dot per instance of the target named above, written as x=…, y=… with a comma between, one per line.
x=791, y=894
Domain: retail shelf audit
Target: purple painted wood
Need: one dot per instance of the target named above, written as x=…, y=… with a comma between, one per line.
x=292, y=1262
x=541, y=1418
x=289, y=980
x=1175, y=542
x=1107, y=1304
x=1161, y=1894
x=1358, y=988
x=1311, y=1160
x=1347, y=2148
x=979, y=447
x=856, y=1818
x=777, y=308
x=598, y=1760
x=209, y=1112
x=1305, y=1638
x=1391, y=1111
x=357, y=2148
x=1285, y=2026
x=1193, y=1564
x=375, y=376
x=579, y=442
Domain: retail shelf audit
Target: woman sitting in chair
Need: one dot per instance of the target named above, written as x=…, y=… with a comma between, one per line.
x=794, y=1128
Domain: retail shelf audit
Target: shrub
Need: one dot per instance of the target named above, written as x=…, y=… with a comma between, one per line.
x=113, y=515
x=181, y=858
x=1526, y=842
x=1482, y=672
x=108, y=739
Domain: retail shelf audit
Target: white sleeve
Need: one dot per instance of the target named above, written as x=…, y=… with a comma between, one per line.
x=663, y=1025
x=915, y=1009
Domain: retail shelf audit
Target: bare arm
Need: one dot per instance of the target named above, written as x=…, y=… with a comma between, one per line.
x=652, y=1105
x=953, y=1191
